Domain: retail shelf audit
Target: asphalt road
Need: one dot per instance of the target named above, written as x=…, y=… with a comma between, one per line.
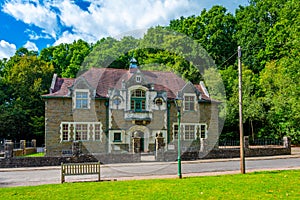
x=12, y=177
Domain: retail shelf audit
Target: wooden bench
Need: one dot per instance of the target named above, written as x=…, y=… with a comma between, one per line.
x=70, y=169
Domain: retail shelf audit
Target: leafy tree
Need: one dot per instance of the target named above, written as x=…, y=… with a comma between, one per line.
x=23, y=108
x=112, y=53
x=253, y=111
x=66, y=58
x=281, y=88
x=214, y=30
x=253, y=24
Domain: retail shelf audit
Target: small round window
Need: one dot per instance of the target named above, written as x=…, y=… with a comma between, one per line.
x=158, y=102
x=117, y=101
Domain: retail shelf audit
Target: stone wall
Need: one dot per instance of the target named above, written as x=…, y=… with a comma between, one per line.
x=61, y=110
x=134, y=158
x=250, y=151
x=56, y=161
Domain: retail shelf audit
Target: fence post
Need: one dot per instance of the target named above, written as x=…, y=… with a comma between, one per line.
x=246, y=142
x=9, y=149
x=286, y=142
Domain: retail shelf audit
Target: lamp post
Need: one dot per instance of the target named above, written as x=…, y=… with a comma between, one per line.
x=178, y=102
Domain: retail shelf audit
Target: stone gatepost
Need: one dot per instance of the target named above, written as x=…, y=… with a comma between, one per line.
x=159, y=147
x=136, y=144
x=23, y=146
x=246, y=142
x=286, y=142
x=9, y=149
x=33, y=143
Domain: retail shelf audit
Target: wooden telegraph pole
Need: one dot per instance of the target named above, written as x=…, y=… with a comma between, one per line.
x=242, y=151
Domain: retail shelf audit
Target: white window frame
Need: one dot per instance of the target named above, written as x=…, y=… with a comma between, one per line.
x=188, y=108
x=112, y=134
x=82, y=132
x=138, y=79
x=187, y=132
x=91, y=131
x=88, y=99
x=97, y=132
x=183, y=129
x=67, y=131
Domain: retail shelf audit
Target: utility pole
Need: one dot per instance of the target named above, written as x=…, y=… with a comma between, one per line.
x=242, y=151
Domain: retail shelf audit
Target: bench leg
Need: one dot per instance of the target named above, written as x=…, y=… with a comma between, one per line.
x=99, y=171
x=62, y=173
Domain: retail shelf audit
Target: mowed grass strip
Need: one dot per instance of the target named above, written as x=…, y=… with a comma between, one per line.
x=258, y=185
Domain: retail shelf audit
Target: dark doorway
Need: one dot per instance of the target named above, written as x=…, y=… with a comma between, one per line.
x=142, y=146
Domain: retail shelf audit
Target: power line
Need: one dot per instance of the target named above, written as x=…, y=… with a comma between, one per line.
x=228, y=59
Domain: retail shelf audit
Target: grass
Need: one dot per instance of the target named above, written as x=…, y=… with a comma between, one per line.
x=258, y=185
x=33, y=155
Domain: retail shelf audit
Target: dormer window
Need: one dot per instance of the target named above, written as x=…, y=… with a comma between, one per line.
x=81, y=99
x=138, y=79
x=138, y=100
x=189, y=103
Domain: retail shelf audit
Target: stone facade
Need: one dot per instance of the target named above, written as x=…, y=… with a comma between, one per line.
x=112, y=111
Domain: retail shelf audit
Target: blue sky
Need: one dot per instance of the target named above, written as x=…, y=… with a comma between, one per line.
x=37, y=24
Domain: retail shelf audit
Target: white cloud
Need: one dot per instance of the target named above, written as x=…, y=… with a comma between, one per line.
x=113, y=17
x=31, y=46
x=101, y=19
x=33, y=13
x=68, y=37
x=34, y=36
x=6, y=49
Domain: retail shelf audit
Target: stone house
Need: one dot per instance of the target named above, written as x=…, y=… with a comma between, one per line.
x=119, y=111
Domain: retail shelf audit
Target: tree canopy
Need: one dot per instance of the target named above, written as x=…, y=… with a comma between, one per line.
x=267, y=30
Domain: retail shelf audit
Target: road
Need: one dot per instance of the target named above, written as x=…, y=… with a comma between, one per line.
x=51, y=175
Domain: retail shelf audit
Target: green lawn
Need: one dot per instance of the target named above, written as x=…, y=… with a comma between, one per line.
x=259, y=185
x=34, y=155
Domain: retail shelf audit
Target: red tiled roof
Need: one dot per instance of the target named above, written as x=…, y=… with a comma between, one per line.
x=103, y=79
x=61, y=87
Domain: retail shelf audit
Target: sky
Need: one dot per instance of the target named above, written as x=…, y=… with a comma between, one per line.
x=37, y=24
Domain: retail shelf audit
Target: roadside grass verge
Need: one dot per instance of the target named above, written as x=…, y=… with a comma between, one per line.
x=256, y=185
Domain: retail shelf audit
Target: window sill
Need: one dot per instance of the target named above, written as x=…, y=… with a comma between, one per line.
x=81, y=108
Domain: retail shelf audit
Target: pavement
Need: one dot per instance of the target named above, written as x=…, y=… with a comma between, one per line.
x=295, y=154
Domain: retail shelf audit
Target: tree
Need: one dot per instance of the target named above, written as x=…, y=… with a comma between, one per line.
x=214, y=30
x=253, y=24
x=66, y=58
x=253, y=111
x=112, y=53
x=26, y=80
x=281, y=88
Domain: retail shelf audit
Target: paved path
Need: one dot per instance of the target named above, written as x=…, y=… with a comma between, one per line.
x=11, y=177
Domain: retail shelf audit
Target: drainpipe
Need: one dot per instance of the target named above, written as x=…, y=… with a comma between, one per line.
x=168, y=122
x=107, y=121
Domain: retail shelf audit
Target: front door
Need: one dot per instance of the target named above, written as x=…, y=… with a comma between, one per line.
x=142, y=149
x=142, y=140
